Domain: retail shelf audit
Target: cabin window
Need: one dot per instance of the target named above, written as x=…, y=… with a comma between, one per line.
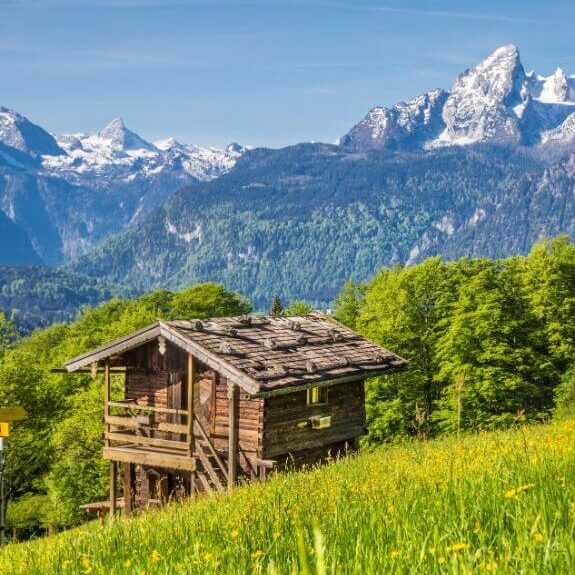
x=317, y=396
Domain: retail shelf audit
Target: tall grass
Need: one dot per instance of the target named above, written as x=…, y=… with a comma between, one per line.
x=493, y=503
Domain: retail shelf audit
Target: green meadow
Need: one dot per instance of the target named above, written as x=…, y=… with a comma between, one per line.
x=494, y=502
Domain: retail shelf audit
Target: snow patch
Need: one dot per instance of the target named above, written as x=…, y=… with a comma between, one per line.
x=188, y=237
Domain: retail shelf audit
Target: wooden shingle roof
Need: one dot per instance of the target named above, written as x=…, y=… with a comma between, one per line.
x=266, y=354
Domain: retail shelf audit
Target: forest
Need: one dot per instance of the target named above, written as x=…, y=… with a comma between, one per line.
x=491, y=344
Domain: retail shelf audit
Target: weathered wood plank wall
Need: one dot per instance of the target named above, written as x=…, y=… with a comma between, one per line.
x=285, y=417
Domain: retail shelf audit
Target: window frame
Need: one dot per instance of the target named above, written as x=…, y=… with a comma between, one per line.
x=320, y=390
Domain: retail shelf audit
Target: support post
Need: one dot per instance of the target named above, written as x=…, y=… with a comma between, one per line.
x=233, y=434
x=128, y=488
x=191, y=369
x=107, y=393
x=3, y=446
x=113, y=488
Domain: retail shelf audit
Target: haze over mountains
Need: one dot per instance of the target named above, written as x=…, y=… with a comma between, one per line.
x=484, y=169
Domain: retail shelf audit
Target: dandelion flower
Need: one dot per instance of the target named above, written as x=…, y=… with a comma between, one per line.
x=155, y=556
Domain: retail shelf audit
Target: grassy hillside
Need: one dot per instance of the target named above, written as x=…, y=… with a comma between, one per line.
x=496, y=502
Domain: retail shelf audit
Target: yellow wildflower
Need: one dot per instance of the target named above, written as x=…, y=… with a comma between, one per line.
x=431, y=550
x=491, y=566
x=524, y=488
x=234, y=534
x=128, y=563
x=257, y=554
x=441, y=560
x=207, y=556
x=538, y=537
x=155, y=556
x=86, y=565
x=394, y=554
x=457, y=547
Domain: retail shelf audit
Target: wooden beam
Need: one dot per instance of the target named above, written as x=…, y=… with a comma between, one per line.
x=233, y=434
x=123, y=421
x=191, y=370
x=113, y=488
x=148, y=441
x=172, y=428
x=128, y=489
x=163, y=459
x=107, y=390
x=150, y=408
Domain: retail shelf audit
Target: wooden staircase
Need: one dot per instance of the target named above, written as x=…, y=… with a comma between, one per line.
x=211, y=471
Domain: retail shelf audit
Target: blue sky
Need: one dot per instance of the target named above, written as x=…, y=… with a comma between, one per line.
x=260, y=72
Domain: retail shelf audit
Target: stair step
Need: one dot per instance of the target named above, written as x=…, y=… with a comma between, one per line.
x=204, y=481
x=210, y=470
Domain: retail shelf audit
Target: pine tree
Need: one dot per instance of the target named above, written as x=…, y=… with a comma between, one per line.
x=277, y=307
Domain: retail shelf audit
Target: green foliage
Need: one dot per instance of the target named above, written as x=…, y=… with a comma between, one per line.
x=277, y=308
x=489, y=342
x=348, y=303
x=549, y=279
x=79, y=472
x=298, y=307
x=565, y=396
x=491, y=355
x=8, y=332
x=29, y=514
x=38, y=296
x=486, y=503
x=56, y=450
x=402, y=310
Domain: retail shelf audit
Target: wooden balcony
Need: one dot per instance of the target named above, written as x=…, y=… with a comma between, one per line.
x=145, y=435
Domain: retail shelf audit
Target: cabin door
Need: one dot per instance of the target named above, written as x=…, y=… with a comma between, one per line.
x=204, y=401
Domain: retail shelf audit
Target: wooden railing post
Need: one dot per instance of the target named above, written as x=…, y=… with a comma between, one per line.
x=107, y=388
x=191, y=369
x=191, y=446
x=233, y=434
x=113, y=488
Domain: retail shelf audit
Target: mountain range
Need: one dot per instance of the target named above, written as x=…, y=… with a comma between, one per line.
x=495, y=102
x=67, y=193
x=484, y=169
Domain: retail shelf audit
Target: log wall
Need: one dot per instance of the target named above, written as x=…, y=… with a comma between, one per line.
x=286, y=427
x=154, y=379
x=249, y=417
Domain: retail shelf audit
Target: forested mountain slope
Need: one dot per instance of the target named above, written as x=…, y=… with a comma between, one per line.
x=37, y=296
x=300, y=221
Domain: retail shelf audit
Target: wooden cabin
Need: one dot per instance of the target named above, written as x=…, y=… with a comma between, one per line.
x=193, y=406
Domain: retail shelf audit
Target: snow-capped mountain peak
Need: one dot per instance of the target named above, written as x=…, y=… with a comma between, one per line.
x=120, y=138
x=18, y=132
x=493, y=102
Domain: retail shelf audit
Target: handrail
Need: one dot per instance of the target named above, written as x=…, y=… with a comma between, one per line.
x=212, y=449
x=151, y=408
x=241, y=453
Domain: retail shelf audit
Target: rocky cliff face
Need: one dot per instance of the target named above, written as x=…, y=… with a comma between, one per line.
x=495, y=102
